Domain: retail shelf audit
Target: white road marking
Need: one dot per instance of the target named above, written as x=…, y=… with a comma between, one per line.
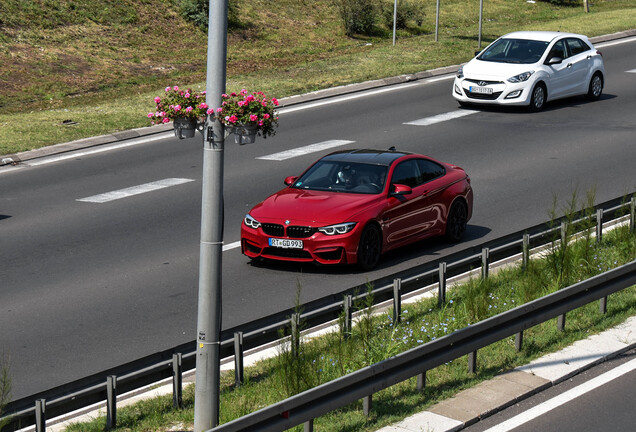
x=300, y=151
x=631, y=71
x=441, y=118
x=135, y=190
x=231, y=246
x=353, y=96
x=617, y=42
x=564, y=398
x=100, y=149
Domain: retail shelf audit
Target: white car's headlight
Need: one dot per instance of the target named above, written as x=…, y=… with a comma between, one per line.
x=342, y=228
x=521, y=77
x=460, y=72
x=251, y=222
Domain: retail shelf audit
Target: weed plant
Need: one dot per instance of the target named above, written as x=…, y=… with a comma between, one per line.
x=376, y=337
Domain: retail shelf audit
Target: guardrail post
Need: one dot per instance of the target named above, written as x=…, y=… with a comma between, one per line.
x=421, y=381
x=347, y=304
x=472, y=362
x=40, y=415
x=111, y=402
x=564, y=234
x=177, y=381
x=526, y=251
x=367, y=405
x=397, y=301
x=441, y=296
x=602, y=306
x=519, y=341
x=295, y=335
x=599, y=225
x=309, y=426
x=485, y=262
x=561, y=322
x=238, y=359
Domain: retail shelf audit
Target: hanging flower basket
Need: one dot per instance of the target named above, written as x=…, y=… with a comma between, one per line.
x=184, y=127
x=185, y=108
x=247, y=115
x=243, y=133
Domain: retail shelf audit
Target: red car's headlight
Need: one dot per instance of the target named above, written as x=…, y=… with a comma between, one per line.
x=337, y=229
x=251, y=222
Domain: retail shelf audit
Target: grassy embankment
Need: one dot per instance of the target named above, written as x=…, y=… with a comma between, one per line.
x=100, y=63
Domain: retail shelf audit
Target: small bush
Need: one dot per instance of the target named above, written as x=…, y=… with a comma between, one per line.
x=358, y=16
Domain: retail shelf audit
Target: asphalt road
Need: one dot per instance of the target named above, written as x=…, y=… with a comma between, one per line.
x=85, y=285
x=573, y=406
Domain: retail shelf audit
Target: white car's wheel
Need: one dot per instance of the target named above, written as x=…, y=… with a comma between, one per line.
x=596, y=87
x=537, y=102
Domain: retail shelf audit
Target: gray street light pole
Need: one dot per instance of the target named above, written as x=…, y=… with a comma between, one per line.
x=206, y=399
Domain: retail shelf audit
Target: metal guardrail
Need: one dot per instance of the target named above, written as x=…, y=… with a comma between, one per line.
x=363, y=383
x=151, y=369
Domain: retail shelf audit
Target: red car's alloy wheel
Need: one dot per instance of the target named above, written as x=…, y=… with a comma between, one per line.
x=370, y=247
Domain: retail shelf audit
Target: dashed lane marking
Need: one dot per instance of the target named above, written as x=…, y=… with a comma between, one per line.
x=427, y=121
x=135, y=190
x=301, y=151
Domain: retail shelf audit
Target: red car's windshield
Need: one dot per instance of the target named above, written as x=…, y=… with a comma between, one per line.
x=337, y=176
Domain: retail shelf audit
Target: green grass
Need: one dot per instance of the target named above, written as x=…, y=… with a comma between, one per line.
x=376, y=337
x=100, y=63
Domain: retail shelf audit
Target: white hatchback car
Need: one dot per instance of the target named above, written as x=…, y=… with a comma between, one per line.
x=529, y=68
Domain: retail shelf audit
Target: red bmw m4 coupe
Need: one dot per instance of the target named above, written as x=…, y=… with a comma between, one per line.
x=351, y=206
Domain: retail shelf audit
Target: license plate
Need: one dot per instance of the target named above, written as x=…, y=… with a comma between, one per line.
x=286, y=243
x=480, y=90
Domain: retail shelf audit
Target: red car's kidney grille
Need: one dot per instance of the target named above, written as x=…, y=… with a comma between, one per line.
x=300, y=231
x=273, y=229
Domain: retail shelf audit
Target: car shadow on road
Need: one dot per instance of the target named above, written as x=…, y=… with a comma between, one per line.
x=404, y=257
x=558, y=104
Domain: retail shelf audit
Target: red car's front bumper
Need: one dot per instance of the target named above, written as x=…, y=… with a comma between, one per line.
x=319, y=247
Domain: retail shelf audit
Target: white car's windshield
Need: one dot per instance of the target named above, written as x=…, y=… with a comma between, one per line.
x=337, y=176
x=521, y=51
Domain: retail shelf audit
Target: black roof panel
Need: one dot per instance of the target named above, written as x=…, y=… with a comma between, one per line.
x=376, y=157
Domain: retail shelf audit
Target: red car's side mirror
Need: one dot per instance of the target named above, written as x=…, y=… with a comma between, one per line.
x=400, y=189
x=289, y=180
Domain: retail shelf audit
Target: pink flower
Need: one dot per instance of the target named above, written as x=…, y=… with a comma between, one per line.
x=203, y=105
x=176, y=88
x=177, y=107
x=265, y=104
x=249, y=98
x=224, y=96
x=168, y=89
x=232, y=119
x=165, y=120
x=150, y=115
x=187, y=95
x=275, y=101
x=241, y=103
x=266, y=116
x=157, y=99
x=233, y=94
x=219, y=110
x=243, y=92
x=189, y=109
x=253, y=117
x=260, y=122
x=210, y=111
